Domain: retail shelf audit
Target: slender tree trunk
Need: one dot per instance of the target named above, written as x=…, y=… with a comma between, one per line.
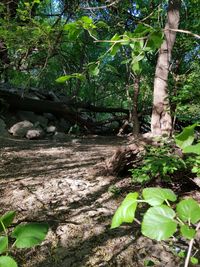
x=134, y=113
x=161, y=121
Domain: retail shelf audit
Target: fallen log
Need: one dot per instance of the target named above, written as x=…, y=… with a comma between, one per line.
x=71, y=111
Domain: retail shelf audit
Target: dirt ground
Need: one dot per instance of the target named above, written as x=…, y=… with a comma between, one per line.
x=59, y=182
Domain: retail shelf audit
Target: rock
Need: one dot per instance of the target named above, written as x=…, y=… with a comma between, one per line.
x=3, y=131
x=59, y=135
x=63, y=126
x=51, y=129
x=32, y=117
x=36, y=133
x=20, y=129
x=49, y=116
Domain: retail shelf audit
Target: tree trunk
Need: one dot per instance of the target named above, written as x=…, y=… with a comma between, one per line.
x=134, y=113
x=161, y=121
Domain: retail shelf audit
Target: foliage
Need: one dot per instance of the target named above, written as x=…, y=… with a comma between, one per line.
x=162, y=216
x=162, y=161
x=159, y=161
x=97, y=53
x=25, y=235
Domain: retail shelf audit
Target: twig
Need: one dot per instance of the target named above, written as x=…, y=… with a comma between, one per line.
x=101, y=7
x=183, y=31
x=187, y=260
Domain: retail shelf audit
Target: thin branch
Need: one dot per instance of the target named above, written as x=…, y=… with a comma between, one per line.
x=101, y=7
x=183, y=31
x=187, y=260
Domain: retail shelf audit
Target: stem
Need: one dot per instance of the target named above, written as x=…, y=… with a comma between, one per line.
x=6, y=234
x=187, y=260
x=137, y=221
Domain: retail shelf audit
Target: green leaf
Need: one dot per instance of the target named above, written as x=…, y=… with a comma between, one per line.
x=111, y=69
x=65, y=78
x=158, y=223
x=116, y=37
x=136, y=67
x=149, y=263
x=29, y=235
x=6, y=261
x=3, y=244
x=187, y=232
x=194, y=260
x=195, y=149
x=156, y=196
x=188, y=210
x=155, y=40
x=101, y=24
x=186, y=137
x=114, y=49
x=86, y=20
x=7, y=219
x=94, y=69
x=74, y=30
x=126, y=211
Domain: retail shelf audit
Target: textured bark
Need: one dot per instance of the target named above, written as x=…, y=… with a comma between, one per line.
x=161, y=122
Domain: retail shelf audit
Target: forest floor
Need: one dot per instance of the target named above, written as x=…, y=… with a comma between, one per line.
x=60, y=182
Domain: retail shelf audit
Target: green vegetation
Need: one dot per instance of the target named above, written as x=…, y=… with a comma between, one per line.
x=25, y=236
x=103, y=54
x=162, y=216
x=121, y=67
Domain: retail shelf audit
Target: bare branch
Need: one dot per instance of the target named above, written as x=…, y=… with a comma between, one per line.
x=183, y=31
x=101, y=7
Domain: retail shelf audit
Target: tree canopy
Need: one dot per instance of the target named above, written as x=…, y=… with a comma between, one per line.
x=104, y=53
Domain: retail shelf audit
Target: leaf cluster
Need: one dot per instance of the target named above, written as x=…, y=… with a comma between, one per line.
x=25, y=236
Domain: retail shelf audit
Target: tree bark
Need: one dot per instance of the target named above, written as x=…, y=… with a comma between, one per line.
x=161, y=121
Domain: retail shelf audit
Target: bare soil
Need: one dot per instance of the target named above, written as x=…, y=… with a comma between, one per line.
x=60, y=182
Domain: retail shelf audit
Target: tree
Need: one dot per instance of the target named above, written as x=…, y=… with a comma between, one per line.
x=161, y=121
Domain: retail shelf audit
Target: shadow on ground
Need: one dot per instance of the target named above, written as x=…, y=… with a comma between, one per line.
x=57, y=182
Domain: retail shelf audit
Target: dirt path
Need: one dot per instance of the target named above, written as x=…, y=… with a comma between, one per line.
x=57, y=182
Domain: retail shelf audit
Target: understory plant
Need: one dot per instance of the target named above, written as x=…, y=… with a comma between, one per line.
x=159, y=161
x=165, y=159
x=162, y=219
x=22, y=236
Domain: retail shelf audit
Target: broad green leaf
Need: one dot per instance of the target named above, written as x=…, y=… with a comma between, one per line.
x=65, y=78
x=29, y=235
x=86, y=19
x=3, y=244
x=136, y=67
x=155, y=40
x=114, y=49
x=192, y=149
x=126, y=211
x=156, y=196
x=188, y=210
x=116, y=37
x=7, y=219
x=141, y=30
x=6, y=261
x=194, y=260
x=74, y=30
x=187, y=232
x=186, y=137
x=158, y=223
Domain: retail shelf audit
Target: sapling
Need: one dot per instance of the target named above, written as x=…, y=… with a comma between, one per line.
x=182, y=217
